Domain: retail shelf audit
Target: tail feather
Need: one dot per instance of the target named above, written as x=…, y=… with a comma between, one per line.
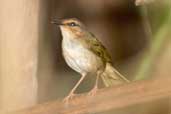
x=112, y=77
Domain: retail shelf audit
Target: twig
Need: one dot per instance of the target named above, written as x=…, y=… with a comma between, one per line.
x=107, y=98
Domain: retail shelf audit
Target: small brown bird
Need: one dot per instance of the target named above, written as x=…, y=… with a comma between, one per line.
x=84, y=53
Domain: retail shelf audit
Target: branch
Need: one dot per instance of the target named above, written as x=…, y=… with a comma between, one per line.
x=107, y=98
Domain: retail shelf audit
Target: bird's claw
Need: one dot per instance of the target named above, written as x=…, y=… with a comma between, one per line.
x=69, y=97
x=93, y=91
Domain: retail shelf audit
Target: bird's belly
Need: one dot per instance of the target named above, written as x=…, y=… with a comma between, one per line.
x=82, y=60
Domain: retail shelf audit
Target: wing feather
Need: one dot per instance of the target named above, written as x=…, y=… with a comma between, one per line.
x=97, y=48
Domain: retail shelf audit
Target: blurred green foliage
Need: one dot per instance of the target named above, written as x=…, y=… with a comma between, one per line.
x=160, y=23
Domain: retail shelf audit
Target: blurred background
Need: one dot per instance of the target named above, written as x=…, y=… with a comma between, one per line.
x=137, y=37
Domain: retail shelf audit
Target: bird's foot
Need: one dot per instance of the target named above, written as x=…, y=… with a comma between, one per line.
x=93, y=91
x=69, y=97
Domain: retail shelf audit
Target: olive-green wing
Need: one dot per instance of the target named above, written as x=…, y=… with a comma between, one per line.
x=97, y=47
x=110, y=76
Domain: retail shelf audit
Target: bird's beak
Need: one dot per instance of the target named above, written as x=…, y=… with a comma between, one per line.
x=57, y=22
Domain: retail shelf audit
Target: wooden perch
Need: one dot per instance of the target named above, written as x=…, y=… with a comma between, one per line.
x=107, y=98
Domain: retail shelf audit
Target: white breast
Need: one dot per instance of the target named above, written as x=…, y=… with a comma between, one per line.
x=77, y=57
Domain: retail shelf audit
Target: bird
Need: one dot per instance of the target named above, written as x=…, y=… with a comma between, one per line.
x=85, y=53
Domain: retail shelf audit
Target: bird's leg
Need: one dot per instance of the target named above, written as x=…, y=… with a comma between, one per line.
x=71, y=94
x=95, y=88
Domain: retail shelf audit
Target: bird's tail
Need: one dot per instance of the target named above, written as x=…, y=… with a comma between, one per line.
x=112, y=77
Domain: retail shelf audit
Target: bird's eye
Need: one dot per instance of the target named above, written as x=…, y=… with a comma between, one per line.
x=72, y=24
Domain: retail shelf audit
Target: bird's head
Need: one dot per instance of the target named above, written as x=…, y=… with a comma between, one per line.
x=71, y=26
